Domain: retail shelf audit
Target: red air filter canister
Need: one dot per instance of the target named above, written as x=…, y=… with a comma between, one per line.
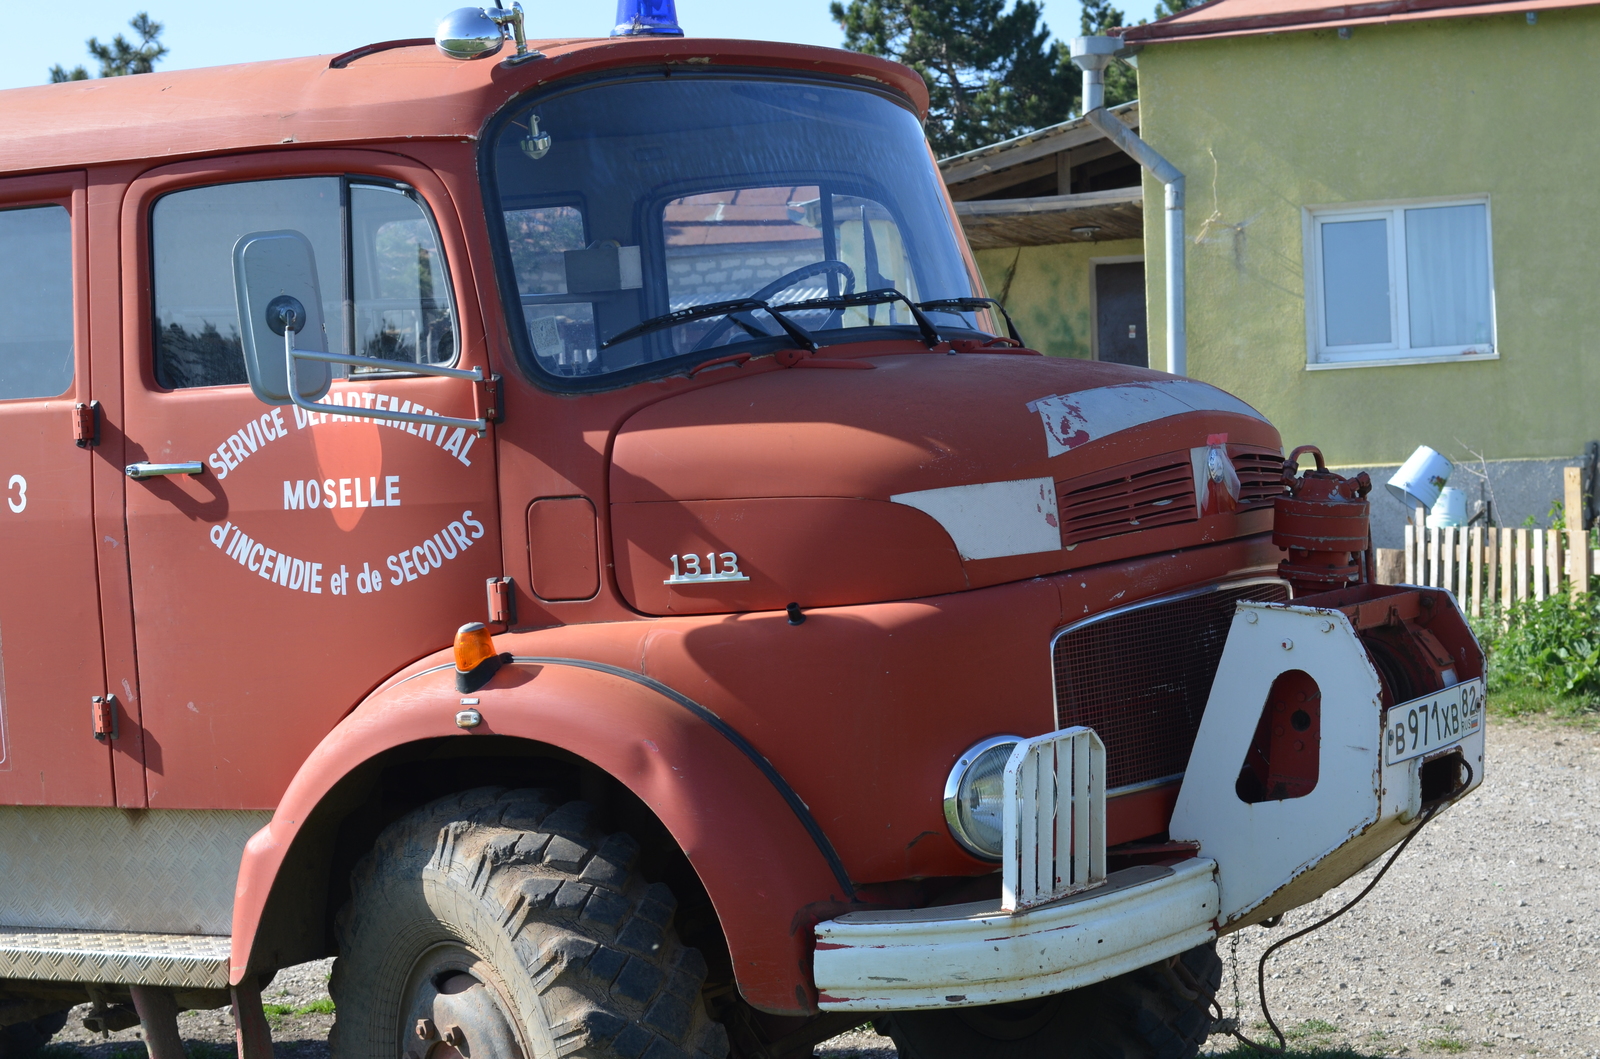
x=1323, y=524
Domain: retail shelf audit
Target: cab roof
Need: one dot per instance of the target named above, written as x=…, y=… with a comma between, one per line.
x=399, y=90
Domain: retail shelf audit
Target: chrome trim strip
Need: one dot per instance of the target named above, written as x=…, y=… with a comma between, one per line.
x=952, y=792
x=1153, y=601
x=1145, y=785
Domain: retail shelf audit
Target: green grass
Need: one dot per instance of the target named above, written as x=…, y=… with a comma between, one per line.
x=1310, y=1028
x=1445, y=1044
x=281, y=1011
x=1240, y=1051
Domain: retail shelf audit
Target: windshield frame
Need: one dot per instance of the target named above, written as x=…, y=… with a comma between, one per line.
x=505, y=274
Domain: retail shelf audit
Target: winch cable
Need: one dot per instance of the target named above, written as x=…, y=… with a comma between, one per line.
x=1261, y=965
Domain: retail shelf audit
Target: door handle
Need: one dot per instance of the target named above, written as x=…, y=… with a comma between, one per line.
x=156, y=470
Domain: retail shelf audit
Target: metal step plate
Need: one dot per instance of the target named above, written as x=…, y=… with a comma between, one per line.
x=193, y=960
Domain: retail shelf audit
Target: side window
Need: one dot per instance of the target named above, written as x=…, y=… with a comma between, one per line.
x=392, y=301
x=402, y=295
x=35, y=302
x=1406, y=282
x=192, y=235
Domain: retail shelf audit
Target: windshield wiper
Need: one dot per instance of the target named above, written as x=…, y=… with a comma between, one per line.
x=801, y=336
x=930, y=334
x=971, y=305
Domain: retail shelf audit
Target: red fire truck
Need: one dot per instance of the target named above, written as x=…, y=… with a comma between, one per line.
x=567, y=534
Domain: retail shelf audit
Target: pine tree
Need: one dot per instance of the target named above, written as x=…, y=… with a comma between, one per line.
x=120, y=57
x=991, y=73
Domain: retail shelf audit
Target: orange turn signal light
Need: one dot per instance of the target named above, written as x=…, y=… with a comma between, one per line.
x=476, y=660
x=473, y=645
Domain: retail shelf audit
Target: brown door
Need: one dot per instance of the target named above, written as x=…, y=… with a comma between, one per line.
x=1120, y=313
x=312, y=555
x=50, y=645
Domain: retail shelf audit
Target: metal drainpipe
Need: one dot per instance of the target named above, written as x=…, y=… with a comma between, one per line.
x=1093, y=55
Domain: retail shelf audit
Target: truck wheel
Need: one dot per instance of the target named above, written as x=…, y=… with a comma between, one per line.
x=24, y=1039
x=501, y=924
x=1151, y=1013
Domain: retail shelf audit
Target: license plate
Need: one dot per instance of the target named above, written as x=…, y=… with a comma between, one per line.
x=1422, y=725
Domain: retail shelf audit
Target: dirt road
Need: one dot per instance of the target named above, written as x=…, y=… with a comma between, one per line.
x=1484, y=938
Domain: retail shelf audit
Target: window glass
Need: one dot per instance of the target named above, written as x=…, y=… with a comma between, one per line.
x=1355, y=279
x=192, y=234
x=757, y=242
x=629, y=200
x=1447, y=272
x=560, y=331
x=402, y=304
x=1402, y=282
x=35, y=302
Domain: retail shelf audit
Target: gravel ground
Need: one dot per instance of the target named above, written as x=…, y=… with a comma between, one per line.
x=1484, y=938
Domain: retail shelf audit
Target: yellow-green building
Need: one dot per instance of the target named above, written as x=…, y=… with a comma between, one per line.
x=1392, y=225
x=1056, y=219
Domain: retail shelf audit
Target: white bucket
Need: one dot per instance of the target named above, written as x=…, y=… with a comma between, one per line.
x=1420, y=479
x=1450, y=509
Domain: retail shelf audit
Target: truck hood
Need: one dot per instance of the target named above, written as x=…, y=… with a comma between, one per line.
x=913, y=475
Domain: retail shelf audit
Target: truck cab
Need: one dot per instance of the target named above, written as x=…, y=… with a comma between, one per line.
x=568, y=533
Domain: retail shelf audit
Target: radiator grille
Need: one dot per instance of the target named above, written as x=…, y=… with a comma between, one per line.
x=1260, y=477
x=1140, y=678
x=1158, y=491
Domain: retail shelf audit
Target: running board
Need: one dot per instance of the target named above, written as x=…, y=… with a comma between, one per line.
x=196, y=961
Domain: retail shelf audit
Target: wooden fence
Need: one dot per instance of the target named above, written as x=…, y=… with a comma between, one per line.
x=1493, y=566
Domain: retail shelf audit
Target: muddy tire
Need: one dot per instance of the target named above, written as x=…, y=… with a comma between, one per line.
x=1152, y=1013
x=504, y=924
x=25, y=1039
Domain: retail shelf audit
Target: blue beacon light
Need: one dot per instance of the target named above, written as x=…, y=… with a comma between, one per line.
x=647, y=18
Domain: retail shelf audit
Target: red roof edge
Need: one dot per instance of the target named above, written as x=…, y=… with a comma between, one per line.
x=1187, y=24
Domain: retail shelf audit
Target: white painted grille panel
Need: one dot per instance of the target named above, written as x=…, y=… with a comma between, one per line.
x=1054, y=818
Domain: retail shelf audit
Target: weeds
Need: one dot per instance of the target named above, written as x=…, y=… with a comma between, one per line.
x=1445, y=1044
x=1310, y=1028
x=1544, y=657
x=281, y=1011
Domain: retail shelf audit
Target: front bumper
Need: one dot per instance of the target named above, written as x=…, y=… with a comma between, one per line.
x=1258, y=858
x=972, y=954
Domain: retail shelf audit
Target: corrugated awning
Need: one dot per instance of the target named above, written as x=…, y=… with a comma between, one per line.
x=1093, y=216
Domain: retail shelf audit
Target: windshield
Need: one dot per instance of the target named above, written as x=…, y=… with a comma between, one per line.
x=625, y=201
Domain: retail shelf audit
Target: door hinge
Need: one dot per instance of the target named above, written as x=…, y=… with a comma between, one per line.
x=86, y=424
x=104, y=715
x=486, y=399
x=502, y=601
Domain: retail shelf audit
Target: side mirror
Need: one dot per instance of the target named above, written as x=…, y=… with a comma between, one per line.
x=270, y=271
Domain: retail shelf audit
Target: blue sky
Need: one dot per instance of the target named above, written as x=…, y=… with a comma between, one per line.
x=208, y=33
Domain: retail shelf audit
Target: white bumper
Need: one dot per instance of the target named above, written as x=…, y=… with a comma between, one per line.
x=973, y=954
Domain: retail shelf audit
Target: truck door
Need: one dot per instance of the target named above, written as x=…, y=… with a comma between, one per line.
x=50, y=646
x=285, y=562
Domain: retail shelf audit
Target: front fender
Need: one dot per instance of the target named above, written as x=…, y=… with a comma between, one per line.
x=760, y=856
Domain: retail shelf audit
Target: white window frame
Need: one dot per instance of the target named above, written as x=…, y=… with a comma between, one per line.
x=1319, y=356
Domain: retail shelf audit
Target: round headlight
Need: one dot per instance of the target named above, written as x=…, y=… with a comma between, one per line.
x=974, y=796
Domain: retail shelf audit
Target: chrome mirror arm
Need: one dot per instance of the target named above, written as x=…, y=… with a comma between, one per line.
x=292, y=355
x=512, y=16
